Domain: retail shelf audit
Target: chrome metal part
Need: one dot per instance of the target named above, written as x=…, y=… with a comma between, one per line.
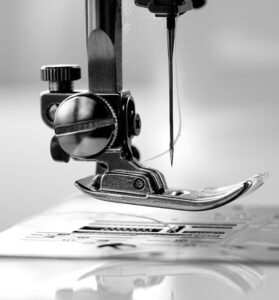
x=60, y=77
x=118, y=184
x=104, y=45
x=85, y=125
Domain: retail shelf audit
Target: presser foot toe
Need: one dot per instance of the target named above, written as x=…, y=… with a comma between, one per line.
x=188, y=200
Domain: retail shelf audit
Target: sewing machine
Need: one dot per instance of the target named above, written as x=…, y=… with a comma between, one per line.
x=84, y=248
x=100, y=124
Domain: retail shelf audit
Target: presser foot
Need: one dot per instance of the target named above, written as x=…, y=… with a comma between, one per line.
x=187, y=200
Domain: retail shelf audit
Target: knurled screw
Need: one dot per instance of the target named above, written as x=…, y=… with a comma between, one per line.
x=60, y=77
x=139, y=184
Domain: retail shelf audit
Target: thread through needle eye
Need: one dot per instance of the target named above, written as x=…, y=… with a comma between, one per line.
x=171, y=39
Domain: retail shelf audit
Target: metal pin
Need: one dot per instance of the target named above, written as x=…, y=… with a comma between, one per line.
x=171, y=39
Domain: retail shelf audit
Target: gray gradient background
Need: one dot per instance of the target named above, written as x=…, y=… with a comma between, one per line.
x=228, y=71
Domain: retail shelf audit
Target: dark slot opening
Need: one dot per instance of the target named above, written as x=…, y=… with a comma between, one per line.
x=211, y=227
x=203, y=232
x=176, y=230
x=121, y=229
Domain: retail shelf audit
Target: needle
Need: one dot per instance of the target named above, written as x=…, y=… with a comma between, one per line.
x=171, y=38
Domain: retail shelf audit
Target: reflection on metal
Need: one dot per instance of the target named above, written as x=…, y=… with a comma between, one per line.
x=124, y=280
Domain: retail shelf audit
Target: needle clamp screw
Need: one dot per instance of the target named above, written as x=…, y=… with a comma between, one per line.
x=85, y=125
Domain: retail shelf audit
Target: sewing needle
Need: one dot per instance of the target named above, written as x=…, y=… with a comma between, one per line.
x=171, y=38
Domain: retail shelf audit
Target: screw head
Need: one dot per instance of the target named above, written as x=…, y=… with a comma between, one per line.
x=60, y=77
x=137, y=125
x=57, y=73
x=85, y=125
x=139, y=184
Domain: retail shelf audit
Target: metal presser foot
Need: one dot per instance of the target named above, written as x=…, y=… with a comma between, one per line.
x=99, y=124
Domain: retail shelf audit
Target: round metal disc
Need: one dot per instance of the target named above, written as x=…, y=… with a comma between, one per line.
x=85, y=125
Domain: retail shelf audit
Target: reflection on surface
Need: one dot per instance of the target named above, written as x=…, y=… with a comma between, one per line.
x=143, y=280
